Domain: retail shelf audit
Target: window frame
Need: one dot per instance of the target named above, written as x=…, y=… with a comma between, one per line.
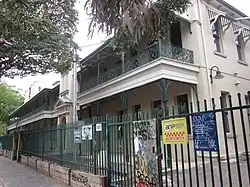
x=137, y=112
x=240, y=46
x=217, y=36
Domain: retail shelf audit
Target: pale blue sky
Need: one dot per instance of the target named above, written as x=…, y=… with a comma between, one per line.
x=88, y=46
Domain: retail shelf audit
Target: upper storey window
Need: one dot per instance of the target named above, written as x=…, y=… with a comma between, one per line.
x=240, y=47
x=217, y=36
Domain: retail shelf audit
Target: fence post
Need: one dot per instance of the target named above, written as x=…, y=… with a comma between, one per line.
x=108, y=151
x=43, y=147
x=19, y=145
x=14, y=145
x=94, y=147
x=61, y=144
x=158, y=152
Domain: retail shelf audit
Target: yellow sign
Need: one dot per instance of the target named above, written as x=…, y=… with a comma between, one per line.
x=174, y=131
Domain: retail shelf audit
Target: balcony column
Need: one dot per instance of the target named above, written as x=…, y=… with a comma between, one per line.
x=124, y=99
x=160, y=48
x=164, y=84
x=46, y=100
x=98, y=108
x=123, y=61
x=98, y=69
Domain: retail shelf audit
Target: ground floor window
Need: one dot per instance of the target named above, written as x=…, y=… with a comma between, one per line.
x=137, y=112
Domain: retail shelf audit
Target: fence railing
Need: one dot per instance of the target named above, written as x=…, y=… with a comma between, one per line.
x=35, y=111
x=6, y=141
x=156, y=149
x=154, y=51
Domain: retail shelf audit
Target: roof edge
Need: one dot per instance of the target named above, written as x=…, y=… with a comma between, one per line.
x=42, y=91
x=232, y=8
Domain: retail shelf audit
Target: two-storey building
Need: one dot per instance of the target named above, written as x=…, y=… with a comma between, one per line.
x=208, y=42
x=204, y=43
x=37, y=113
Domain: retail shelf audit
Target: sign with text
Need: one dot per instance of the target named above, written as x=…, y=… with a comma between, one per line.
x=174, y=131
x=204, y=132
x=77, y=136
x=98, y=127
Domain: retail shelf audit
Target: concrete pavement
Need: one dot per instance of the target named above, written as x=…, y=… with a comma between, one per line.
x=13, y=174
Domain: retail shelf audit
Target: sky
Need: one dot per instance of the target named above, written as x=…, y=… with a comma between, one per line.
x=88, y=45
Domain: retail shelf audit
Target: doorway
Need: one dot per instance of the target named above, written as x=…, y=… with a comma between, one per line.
x=175, y=34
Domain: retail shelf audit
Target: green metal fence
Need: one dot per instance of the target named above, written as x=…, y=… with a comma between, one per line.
x=130, y=150
x=58, y=145
x=7, y=141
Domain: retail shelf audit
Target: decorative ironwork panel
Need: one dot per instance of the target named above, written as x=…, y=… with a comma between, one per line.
x=177, y=53
x=110, y=74
x=91, y=83
x=153, y=52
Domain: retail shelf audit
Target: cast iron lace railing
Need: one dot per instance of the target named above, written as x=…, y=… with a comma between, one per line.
x=177, y=53
x=153, y=52
x=37, y=110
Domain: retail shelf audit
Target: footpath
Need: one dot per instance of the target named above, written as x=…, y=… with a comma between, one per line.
x=13, y=174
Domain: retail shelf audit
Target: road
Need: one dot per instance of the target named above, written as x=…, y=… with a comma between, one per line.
x=13, y=174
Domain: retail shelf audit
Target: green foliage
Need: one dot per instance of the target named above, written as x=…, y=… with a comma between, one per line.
x=3, y=127
x=9, y=101
x=41, y=36
x=133, y=22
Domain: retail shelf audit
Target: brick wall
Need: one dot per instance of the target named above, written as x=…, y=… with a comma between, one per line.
x=7, y=153
x=43, y=167
x=65, y=175
x=59, y=173
x=81, y=179
x=4, y=152
x=24, y=160
x=32, y=162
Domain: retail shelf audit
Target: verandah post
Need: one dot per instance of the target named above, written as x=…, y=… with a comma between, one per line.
x=164, y=83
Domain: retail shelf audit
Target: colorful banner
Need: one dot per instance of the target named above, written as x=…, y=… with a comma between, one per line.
x=174, y=131
x=145, y=153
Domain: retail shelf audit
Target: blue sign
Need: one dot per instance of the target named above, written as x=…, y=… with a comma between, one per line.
x=204, y=132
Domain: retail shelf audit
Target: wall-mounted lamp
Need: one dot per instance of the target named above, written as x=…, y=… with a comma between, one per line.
x=218, y=74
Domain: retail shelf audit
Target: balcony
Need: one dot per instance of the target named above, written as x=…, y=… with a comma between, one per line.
x=42, y=102
x=35, y=111
x=153, y=52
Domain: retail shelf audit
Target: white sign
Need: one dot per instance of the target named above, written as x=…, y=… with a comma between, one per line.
x=87, y=132
x=77, y=136
x=98, y=127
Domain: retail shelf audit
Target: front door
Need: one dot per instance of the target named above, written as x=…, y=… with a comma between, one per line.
x=175, y=34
